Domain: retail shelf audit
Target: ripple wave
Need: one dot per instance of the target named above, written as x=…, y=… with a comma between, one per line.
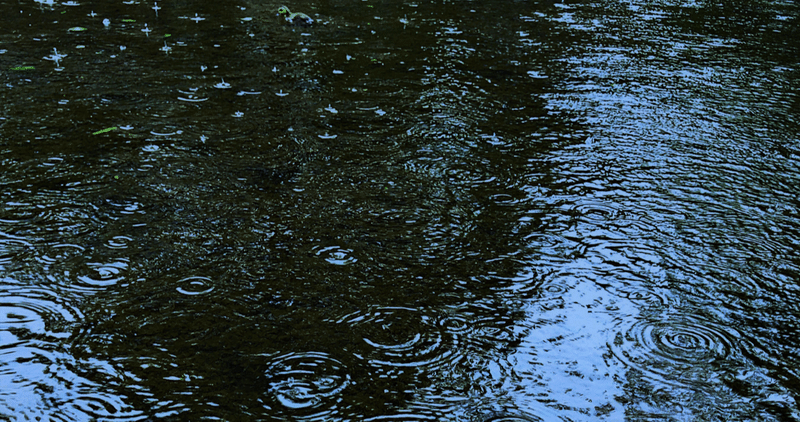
x=676, y=350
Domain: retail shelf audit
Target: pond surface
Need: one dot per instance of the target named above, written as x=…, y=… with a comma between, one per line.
x=409, y=211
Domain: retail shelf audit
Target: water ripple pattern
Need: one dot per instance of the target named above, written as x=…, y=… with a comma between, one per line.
x=307, y=384
x=398, y=337
x=678, y=350
x=38, y=376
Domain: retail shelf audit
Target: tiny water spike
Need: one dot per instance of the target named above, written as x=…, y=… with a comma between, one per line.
x=55, y=57
x=156, y=8
x=146, y=30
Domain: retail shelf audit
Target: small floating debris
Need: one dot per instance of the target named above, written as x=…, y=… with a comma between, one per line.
x=281, y=93
x=222, y=85
x=77, y=29
x=108, y=129
x=295, y=18
x=327, y=136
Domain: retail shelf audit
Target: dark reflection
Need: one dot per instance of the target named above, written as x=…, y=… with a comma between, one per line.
x=416, y=211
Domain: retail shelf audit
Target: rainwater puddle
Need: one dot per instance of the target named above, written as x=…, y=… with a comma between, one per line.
x=401, y=212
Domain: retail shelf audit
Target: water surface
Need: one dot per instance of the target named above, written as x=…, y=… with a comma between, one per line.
x=408, y=211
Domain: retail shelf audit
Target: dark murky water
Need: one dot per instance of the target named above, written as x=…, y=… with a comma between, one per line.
x=409, y=211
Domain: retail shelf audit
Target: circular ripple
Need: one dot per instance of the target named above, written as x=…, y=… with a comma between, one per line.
x=119, y=242
x=642, y=294
x=404, y=337
x=193, y=286
x=336, y=255
x=36, y=311
x=674, y=351
x=307, y=381
x=104, y=274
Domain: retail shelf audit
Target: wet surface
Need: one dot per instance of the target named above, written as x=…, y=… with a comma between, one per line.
x=497, y=211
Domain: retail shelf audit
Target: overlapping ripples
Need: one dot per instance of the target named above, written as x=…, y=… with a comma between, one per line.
x=399, y=337
x=679, y=350
x=38, y=378
x=306, y=385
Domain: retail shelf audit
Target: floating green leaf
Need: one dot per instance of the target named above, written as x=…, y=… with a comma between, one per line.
x=129, y=20
x=108, y=129
x=23, y=68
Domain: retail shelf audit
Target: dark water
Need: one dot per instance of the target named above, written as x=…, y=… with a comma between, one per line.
x=409, y=211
